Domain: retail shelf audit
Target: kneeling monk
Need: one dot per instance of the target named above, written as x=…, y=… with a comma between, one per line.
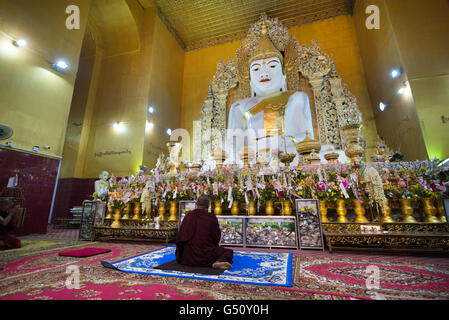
x=197, y=242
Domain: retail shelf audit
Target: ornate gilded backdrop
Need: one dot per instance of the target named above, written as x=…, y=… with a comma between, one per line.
x=308, y=69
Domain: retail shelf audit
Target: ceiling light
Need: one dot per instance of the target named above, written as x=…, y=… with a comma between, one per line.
x=150, y=110
x=149, y=125
x=168, y=131
x=119, y=127
x=60, y=65
x=396, y=72
x=20, y=43
x=401, y=90
x=382, y=106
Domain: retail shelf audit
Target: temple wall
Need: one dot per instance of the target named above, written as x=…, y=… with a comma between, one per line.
x=118, y=86
x=34, y=98
x=336, y=35
x=409, y=37
x=420, y=28
x=165, y=92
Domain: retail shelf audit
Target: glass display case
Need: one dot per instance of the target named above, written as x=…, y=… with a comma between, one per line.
x=254, y=231
x=309, y=224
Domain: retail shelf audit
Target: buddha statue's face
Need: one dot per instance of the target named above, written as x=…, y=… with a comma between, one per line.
x=266, y=76
x=104, y=175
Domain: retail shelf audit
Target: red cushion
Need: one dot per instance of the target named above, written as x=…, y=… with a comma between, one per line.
x=86, y=252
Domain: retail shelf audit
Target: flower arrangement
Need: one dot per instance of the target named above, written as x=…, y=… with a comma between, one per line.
x=405, y=180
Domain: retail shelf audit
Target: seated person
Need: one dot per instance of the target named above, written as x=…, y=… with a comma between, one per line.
x=8, y=221
x=197, y=242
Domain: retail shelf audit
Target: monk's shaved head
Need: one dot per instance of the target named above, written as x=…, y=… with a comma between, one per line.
x=202, y=202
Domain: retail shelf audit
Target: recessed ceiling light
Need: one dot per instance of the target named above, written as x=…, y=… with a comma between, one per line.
x=60, y=65
x=396, y=72
x=382, y=106
x=20, y=43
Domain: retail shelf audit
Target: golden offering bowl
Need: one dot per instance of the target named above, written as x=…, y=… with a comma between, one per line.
x=307, y=145
x=287, y=158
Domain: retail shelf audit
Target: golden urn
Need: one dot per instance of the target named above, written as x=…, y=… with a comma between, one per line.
x=306, y=146
x=287, y=158
x=351, y=134
x=331, y=157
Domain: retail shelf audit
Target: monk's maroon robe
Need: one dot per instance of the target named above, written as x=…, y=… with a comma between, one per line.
x=197, y=242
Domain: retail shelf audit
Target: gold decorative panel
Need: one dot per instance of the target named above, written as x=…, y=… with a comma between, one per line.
x=203, y=23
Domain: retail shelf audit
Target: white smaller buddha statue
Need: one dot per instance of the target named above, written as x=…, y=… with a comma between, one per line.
x=102, y=184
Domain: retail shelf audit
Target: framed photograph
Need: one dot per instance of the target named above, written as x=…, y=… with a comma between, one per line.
x=271, y=232
x=184, y=207
x=88, y=221
x=232, y=230
x=310, y=233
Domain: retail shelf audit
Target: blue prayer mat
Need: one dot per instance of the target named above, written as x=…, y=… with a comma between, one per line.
x=249, y=267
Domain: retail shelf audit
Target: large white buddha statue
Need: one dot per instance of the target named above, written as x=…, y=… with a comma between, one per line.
x=272, y=114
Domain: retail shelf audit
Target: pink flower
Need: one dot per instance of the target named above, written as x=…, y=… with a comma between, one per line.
x=402, y=184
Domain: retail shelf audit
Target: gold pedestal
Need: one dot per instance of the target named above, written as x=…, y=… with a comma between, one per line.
x=407, y=210
x=359, y=211
x=116, y=223
x=323, y=211
x=386, y=213
x=137, y=209
x=173, y=211
x=341, y=211
x=161, y=211
x=126, y=211
x=269, y=209
x=430, y=211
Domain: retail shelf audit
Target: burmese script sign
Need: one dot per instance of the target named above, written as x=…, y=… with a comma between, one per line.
x=111, y=153
x=155, y=150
